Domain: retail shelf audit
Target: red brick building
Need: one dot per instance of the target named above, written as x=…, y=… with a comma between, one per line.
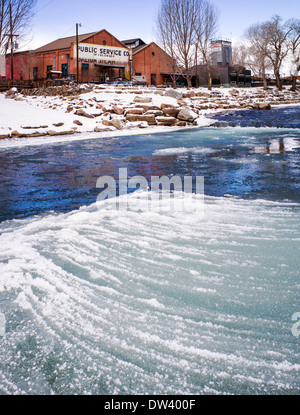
x=150, y=61
x=102, y=58
x=21, y=66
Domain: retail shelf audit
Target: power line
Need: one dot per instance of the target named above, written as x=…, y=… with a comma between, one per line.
x=42, y=7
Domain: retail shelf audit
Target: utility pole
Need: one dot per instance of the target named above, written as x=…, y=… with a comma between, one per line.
x=11, y=37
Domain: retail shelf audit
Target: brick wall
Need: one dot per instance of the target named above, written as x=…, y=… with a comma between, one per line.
x=20, y=66
x=152, y=62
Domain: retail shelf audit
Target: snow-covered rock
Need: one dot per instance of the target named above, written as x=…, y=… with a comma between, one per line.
x=173, y=93
x=185, y=114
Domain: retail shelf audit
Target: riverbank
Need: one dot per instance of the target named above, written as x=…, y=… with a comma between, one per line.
x=103, y=110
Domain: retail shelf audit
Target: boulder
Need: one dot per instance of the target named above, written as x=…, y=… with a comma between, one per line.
x=118, y=110
x=118, y=123
x=34, y=134
x=134, y=117
x=185, y=114
x=16, y=134
x=77, y=122
x=107, y=123
x=189, y=94
x=143, y=100
x=166, y=121
x=12, y=93
x=156, y=113
x=147, y=107
x=136, y=91
x=172, y=112
x=265, y=106
x=25, y=127
x=172, y=93
x=181, y=123
x=102, y=129
x=51, y=132
x=163, y=106
x=69, y=108
x=137, y=111
x=82, y=113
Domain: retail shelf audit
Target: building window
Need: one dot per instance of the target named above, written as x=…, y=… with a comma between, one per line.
x=153, y=53
x=138, y=74
x=104, y=42
x=21, y=76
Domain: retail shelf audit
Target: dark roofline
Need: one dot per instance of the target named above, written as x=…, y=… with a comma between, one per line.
x=132, y=40
x=54, y=45
x=67, y=42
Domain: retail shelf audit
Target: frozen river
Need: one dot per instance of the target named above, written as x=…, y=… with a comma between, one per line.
x=95, y=300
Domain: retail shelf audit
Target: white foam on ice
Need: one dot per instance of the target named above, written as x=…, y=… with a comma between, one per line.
x=182, y=151
x=108, y=301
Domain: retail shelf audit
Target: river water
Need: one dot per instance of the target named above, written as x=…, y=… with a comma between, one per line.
x=104, y=301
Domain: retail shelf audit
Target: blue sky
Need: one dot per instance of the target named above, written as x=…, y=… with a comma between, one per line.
x=127, y=19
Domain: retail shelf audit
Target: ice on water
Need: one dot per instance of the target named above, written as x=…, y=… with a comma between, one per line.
x=146, y=301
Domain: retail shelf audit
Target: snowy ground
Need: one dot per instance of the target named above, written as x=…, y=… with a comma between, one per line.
x=55, y=116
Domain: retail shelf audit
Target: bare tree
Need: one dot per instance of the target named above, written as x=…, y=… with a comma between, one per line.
x=293, y=25
x=277, y=45
x=175, y=24
x=15, y=16
x=184, y=23
x=206, y=22
x=240, y=54
x=269, y=45
x=166, y=38
x=257, y=51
